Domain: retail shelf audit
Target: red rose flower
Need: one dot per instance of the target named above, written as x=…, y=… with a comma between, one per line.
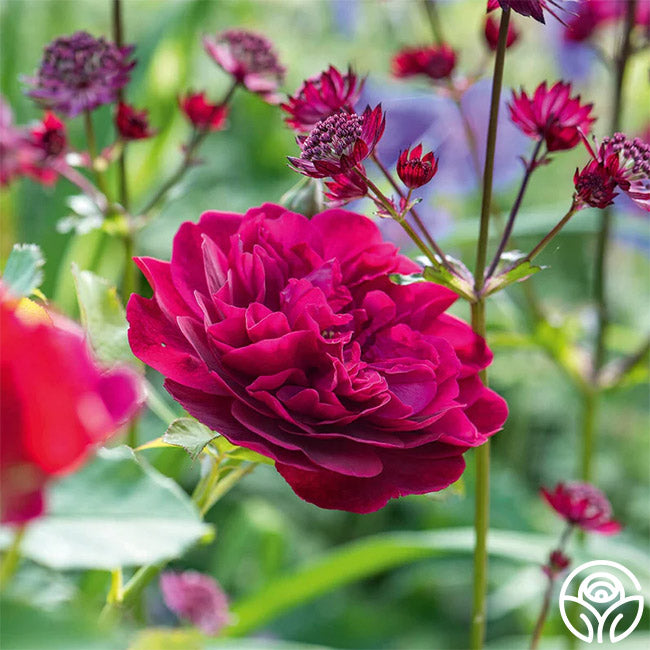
x=583, y=505
x=619, y=163
x=492, y=33
x=433, y=61
x=339, y=143
x=288, y=337
x=552, y=114
x=414, y=169
x=132, y=124
x=201, y=113
x=321, y=97
x=57, y=405
x=250, y=59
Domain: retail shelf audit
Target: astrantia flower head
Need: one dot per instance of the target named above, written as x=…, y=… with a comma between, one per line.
x=583, y=505
x=552, y=114
x=619, y=163
x=492, y=33
x=201, y=113
x=197, y=598
x=79, y=73
x=433, y=61
x=533, y=8
x=322, y=96
x=288, y=336
x=132, y=124
x=414, y=169
x=339, y=143
x=344, y=188
x=250, y=59
x=50, y=136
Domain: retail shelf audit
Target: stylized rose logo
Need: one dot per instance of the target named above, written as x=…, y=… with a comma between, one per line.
x=600, y=603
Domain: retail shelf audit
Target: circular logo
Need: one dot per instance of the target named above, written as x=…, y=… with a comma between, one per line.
x=594, y=604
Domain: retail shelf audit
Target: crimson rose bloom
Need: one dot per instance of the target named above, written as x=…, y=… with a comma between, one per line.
x=57, y=405
x=287, y=336
x=583, y=505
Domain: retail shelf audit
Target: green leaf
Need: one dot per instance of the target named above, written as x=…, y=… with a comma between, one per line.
x=240, y=453
x=517, y=274
x=379, y=553
x=441, y=275
x=115, y=511
x=189, y=434
x=24, y=627
x=102, y=316
x=24, y=270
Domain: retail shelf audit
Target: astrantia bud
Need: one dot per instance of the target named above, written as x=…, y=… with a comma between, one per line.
x=201, y=113
x=414, y=169
x=557, y=562
x=344, y=188
x=492, y=33
x=132, y=124
x=434, y=61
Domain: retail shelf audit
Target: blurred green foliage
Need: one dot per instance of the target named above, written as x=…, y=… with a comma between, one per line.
x=263, y=529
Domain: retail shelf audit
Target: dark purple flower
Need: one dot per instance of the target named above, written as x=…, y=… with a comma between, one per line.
x=197, y=598
x=339, y=143
x=533, y=8
x=79, y=73
x=583, y=505
x=250, y=59
x=322, y=96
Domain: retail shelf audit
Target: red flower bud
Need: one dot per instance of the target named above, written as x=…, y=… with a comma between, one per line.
x=203, y=115
x=416, y=170
x=435, y=62
x=132, y=124
x=492, y=33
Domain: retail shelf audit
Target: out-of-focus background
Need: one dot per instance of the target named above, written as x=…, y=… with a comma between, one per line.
x=263, y=529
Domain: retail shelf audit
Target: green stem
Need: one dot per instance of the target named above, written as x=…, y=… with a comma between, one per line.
x=547, y=238
x=118, y=37
x=416, y=216
x=482, y=454
x=92, y=150
x=434, y=20
x=11, y=557
x=194, y=143
x=589, y=410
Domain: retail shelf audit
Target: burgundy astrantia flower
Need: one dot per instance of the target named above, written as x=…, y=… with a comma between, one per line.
x=533, y=8
x=433, y=61
x=197, y=598
x=583, y=505
x=58, y=405
x=250, y=59
x=344, y=188
x=619, y=163
x=132, y=124
x=79, y=73
x=320, y=97
x=557, y=562
x=19, y=155
x=339, y=143
x=201, y=113
x=492, y=33
x=288, y=337
x=414, y=169
x=50, y=136
x=552, y=114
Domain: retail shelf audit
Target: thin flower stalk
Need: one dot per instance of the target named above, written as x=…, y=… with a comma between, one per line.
x=481, y=517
